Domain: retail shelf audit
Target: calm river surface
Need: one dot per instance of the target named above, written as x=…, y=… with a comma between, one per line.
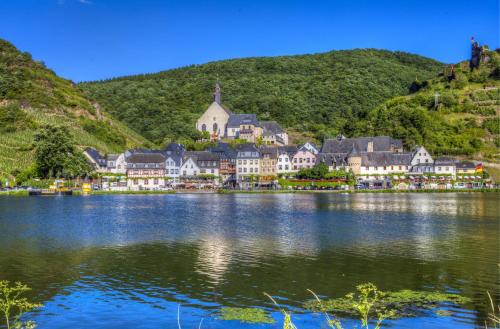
x=129, y=261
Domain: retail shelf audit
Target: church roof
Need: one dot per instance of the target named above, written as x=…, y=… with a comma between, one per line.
x=235, y=120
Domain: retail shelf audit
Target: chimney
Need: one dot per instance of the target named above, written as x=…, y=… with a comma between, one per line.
x=369, y=147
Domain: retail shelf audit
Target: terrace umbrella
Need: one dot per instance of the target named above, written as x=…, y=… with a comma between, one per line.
x=466, y=177
x=433, y=177
x=478, y=177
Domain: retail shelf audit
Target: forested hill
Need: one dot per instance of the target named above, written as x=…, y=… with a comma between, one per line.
x=31, y=96
x=319, y=94
x=456, y=113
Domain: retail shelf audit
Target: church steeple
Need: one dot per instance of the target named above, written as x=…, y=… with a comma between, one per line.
x=217, y=96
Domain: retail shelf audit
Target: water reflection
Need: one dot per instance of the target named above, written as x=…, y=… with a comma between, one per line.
x=112, y=252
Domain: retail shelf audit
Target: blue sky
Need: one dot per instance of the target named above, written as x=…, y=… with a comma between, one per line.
x=97, y=39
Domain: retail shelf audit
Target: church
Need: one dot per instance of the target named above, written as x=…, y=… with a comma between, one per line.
x=221, y=123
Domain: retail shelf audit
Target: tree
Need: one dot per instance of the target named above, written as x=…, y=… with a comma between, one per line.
x=56, y=155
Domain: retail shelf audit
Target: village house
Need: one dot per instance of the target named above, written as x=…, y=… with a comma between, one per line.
x=284, y=161
x=200, y=163
x=465, y=168
x=268, y=161
x=247, y=165
x=273, y=134
x=95, y=159
x=146, y=171
x=227, y=158
x=445, y=166
x=117, y=163
x=303, y=158
x=173, y=154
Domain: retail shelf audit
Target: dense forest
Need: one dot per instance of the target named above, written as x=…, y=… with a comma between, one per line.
x=456, y=113
x=32, y=96
x=316, y=95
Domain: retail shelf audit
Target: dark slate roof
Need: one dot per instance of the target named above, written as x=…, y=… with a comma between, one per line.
x=444, y=161
x=466, y=165
x=385, y=159
x=224, y=150
x=332, y=159
x=95, y=156
x=203, y=159
x=290, y=150
x=272, y=152
x=270, y=128
x=112, y=157
x=149, y=157
x=235, y=120
x=175, y=151
x=345, y=145
x=174, y=148
x=247, y=150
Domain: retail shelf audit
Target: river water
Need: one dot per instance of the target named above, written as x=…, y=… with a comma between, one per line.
x=134, y=261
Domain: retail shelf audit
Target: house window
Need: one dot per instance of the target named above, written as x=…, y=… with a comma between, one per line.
x=400, y=168
x=239, y=169
x=439, y=168
x=203, y=127
x=146, y=181
x=155, y=181
x=215, y=127
x=136, y=182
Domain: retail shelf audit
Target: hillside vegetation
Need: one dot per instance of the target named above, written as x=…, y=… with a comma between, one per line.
x=318, y=95
x=31, y=96
x=454, y=114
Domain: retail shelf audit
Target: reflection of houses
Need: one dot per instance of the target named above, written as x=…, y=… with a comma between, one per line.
x=220, y=122
x=146, y=171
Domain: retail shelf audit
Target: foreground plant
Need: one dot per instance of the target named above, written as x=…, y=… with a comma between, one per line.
x=13, y=305
x=494, y=316
x=365, y=303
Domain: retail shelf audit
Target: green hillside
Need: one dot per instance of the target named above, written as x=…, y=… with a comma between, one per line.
x=31, y=95
x=316, y=94
x=464, y=119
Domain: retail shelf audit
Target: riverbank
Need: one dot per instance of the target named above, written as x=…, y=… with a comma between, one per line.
x=24, y=193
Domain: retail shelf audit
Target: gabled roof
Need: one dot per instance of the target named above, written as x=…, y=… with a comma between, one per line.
x=247, y=150
x=290, y=150
x=385, y=159
x=446, y=161
x=224, y=150
x=235, y=120
x=332, y=159
x=345, y=145
x=272, y=152
x=466, y=165
x=150, y=157
x=270, y=128
x=95, y=156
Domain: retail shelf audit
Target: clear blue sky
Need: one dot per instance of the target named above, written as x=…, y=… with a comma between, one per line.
x=97, y=39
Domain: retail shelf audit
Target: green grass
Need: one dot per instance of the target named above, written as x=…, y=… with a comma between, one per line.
x=245, y=315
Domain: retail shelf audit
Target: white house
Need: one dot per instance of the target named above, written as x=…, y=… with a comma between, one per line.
x=445, y=166
x=189, y=167
x=117, y=163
